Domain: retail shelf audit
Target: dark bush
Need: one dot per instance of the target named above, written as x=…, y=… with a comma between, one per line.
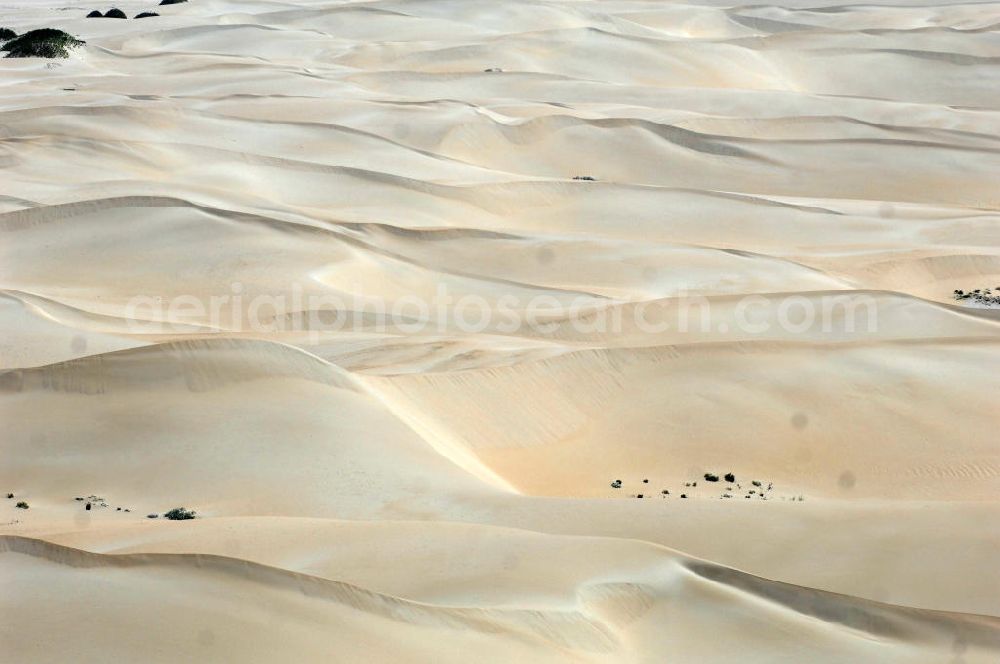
x=7, y=34
x=115, y=13
x=709, y=477
x=10, y=495
x=146, y=15
x=730, y=477
x=179, y=514
x=44, y=43
x=23, y=505
x=95, y=14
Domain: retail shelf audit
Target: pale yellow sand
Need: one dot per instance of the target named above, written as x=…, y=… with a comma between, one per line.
x=410, y=489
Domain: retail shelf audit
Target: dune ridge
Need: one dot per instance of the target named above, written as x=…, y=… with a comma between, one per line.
x=730, y=239
x=605, y=611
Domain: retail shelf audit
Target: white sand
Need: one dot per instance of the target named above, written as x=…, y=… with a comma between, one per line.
x=413, y=490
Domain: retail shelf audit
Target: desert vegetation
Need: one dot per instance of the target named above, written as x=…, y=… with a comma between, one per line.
x=984, y=296
x=42, y=43
x=761, y=490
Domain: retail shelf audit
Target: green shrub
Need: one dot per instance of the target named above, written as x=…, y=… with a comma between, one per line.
x=179, y=514
x=44, y=43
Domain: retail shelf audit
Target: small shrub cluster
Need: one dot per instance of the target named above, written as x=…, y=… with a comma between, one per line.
x=980, y=295
x=114, y=12
x=759, y=491
x=179, y=514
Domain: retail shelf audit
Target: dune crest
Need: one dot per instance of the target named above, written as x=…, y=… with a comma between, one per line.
x=500, y=331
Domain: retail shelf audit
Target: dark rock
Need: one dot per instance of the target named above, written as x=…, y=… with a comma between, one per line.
x=730, y=477
x=638, y=495
x=146, y=15
x=684, y=495
x=171, y=2
x=22, y=505
x=115, y=13
x=709, y=477
x=87, y=507
x=645, y=481
x=95, y=14
x=152, y=516
x=584, y=177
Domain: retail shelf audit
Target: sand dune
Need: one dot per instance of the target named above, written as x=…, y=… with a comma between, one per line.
x=605, y=620
x=392, y=292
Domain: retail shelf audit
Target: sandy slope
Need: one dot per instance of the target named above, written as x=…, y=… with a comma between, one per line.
x=409, y=488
